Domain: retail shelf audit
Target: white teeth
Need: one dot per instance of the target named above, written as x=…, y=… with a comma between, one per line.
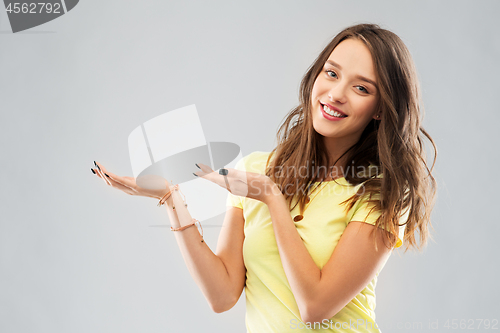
x=332, y=112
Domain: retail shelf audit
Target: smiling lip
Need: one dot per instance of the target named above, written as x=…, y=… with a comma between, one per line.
x=327, y=116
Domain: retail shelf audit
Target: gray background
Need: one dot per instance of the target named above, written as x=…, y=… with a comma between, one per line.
x=77, y=256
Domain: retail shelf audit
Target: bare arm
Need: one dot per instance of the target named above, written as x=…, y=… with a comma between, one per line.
x=220, y=277
x=320, y=294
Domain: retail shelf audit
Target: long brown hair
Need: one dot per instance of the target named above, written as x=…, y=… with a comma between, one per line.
x=394, y=144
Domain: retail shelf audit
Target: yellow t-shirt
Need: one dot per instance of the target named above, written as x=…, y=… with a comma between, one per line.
x=270, y=303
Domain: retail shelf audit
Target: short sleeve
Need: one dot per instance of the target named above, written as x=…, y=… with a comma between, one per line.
x=365, y=212
x=234, y=200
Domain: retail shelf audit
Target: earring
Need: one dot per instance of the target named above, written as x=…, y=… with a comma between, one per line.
x=378, y=116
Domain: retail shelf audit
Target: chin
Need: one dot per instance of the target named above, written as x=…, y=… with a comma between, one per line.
x=321, y=130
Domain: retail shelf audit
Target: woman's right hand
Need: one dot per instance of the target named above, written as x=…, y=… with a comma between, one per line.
x=127, y=184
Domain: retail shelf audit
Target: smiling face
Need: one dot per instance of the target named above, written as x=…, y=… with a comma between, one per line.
x=344, y=96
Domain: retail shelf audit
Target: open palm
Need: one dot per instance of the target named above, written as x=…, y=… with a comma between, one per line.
x=247, y=184
x=128, y=184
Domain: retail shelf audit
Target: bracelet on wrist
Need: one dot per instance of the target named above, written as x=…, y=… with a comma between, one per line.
x=194, y=223
x=167, y=195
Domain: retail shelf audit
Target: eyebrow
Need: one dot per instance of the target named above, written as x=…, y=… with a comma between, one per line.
x=360, y=77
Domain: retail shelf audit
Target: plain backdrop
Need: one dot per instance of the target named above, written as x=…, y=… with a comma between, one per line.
x=77, y=256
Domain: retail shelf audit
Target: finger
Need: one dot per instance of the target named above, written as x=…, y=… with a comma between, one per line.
x=239, y=181
x=120, y=186
x=100, y=167
x=220, y=178
x=116, y=178
x=234, y=174
x=101, y=173
x=205, y=172
x=205, y=169
x=224, y=175
x=106, y=175
x=231, y=173
x=115, y=181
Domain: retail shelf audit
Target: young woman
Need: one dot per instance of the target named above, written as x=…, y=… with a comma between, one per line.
x=310, y=225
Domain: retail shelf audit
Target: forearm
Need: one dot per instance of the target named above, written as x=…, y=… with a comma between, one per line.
x=206, y=268
x=302, y=273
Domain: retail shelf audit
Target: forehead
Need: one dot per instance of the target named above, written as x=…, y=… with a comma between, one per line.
x=354, y=58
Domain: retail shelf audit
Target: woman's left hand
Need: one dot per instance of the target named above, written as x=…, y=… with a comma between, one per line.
x=246, y=184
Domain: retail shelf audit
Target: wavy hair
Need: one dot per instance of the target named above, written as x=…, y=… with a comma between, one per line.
x=394, y=144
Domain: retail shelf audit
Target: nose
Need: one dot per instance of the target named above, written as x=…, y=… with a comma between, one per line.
x=337, y=93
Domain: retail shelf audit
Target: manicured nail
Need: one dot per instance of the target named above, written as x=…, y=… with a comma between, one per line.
x=97, y=166
x=195, y=174
x=92, y=171
x=107, y=175
x=223, y=172
x=197, y=166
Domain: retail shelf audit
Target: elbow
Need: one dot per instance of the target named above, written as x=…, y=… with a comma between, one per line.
x=311, y=319
x=220, y=307
x=315, y=313
x=309, y=314
x=315, y=319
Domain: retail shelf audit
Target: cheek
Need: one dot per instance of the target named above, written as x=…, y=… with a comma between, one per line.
x=373, y=107
x=368, y=108
x=315, y=90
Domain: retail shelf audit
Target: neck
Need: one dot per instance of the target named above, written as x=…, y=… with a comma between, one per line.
x=336, y=148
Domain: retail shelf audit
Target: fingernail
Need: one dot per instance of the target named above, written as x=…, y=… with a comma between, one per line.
x=106, y=175
x=195, y=174
x=197, y=166
x=223, y=172
x=97, y=166
x=92, y=171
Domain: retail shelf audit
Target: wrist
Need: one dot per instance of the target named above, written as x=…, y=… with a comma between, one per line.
x=158, y=194
x=274, y=195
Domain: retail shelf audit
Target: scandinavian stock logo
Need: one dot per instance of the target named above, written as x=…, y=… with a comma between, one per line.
x=24, y=15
